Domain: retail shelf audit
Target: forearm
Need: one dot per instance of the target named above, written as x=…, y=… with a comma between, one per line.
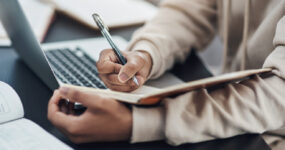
x=255, y=105
x=178, y=26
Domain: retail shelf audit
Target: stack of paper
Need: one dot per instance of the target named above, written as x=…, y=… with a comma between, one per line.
x=115, y=13
x=39, y=16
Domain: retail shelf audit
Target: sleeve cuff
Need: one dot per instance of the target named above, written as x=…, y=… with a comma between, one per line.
x=152, y=50
x=148, y=124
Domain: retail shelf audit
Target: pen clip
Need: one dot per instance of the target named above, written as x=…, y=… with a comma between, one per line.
x=99, y=22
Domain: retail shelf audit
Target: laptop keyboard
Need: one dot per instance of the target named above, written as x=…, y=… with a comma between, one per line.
x=74, y=66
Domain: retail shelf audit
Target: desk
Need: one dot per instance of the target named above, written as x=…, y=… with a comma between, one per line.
x=35, y=94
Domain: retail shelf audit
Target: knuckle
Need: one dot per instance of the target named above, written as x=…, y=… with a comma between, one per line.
x=100, y=67
x=104, y=52
x=75, y=95
x=106, y=80
x=102, y=76
x=109, y=85
x=132, y=87
x=131, y=66
x=112, y=79
x=117, y=69
x=114, y=88
x=76, y=139
x=140, y=58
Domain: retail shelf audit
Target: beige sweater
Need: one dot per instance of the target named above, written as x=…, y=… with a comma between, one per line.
x=253, y=32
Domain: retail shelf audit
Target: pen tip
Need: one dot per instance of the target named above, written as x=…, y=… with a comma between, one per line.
x=136, y=81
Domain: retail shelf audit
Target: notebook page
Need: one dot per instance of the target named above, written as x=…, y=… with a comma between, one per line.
x=39, y=16
x=143, y=90
x=10, y=104
x=23, y=134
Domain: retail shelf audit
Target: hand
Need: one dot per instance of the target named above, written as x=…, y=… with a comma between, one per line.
x=104, y=120
x=118, y=77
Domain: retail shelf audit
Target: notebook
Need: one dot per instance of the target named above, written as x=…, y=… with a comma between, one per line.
x=149, y=95
x=115, y=13
x=19, y=133
x=40, y=16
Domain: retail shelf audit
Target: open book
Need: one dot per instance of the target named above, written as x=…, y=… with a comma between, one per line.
x=18, y=133
x=115, y=13
x=149, y=95
x=39, y=15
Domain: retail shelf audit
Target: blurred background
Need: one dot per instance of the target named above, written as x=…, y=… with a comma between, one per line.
x=40, y=14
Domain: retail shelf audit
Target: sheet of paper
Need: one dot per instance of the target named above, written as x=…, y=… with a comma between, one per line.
x=39, y=15
x=166, y=80
x=23, y=134
x=115, y=13
x=145, y=90
x=10, y=104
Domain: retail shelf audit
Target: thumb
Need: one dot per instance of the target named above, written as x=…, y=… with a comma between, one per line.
x=130, y=69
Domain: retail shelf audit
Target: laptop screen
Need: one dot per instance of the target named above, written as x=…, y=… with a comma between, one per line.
x=24, y=41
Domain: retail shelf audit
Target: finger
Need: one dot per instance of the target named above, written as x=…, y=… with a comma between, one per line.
x=108, y=62
x=79, y=94
x=133, y=65
x=54, y=101
x=130, y=86
x=113, y=79
x=122, y=88
x=105, y=67
x=108, y=54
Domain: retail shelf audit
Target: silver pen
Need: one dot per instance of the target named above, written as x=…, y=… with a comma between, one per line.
x=105, y=32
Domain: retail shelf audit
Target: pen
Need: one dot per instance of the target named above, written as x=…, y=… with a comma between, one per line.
x=105, y=32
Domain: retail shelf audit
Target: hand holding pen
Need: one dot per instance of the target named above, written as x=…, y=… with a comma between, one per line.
x=138, y=65
x=116, y=76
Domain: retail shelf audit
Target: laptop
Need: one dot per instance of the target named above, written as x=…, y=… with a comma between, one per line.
x=69, y=62
x=55, y=63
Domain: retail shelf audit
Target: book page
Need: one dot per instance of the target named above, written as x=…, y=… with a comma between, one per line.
x=144, y=90
x=39, y=16
x=10, y=104
x=115, y=13
x=23, y=134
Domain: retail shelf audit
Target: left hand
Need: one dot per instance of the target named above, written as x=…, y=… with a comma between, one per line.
x=104, y=120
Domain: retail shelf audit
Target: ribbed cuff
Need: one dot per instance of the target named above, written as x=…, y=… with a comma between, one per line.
x=148, y=124
x=146, y=46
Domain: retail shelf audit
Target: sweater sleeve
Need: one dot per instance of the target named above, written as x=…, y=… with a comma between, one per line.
x=178, y=26
x=254, y=105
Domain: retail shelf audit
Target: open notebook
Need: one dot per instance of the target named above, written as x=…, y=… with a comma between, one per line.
x=40, y=16
x=149, y=95
x=18, y=133
x=115, y=13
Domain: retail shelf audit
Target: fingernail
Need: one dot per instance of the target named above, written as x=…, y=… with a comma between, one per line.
x=124, y=77
x=64, y=90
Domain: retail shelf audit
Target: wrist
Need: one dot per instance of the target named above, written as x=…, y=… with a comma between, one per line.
x=127, y=126
x=148, y=59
